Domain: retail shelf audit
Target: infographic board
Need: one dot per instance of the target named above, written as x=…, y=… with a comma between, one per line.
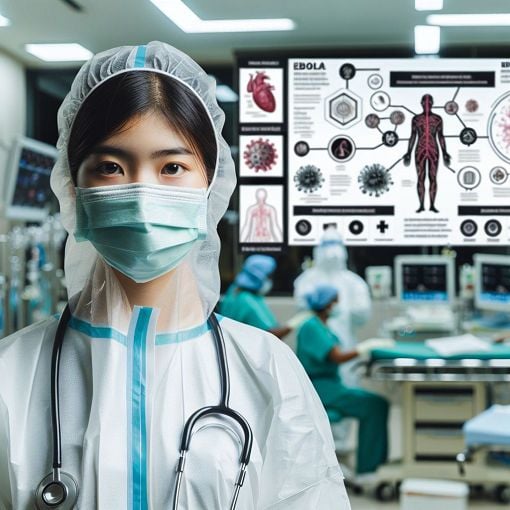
x=391, y=151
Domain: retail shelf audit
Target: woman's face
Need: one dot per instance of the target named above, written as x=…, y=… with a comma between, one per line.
x=146, y=150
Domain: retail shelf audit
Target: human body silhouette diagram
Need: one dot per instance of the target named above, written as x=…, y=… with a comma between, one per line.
x=261, y=224
x=428, y=128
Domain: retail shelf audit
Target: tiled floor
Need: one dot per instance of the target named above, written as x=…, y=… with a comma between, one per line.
x=370, y=503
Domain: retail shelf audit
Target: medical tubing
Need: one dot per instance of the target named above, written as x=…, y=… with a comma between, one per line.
x=222, y=360
x=233, y=504
x=55, y=373
x=219, y=411
x=177, y=489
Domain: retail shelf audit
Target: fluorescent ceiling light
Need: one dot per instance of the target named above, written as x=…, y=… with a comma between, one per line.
x=189, y=22
x=469, y=20
x=427, y=40
x=225, y=94
x=71, y=52
x=428, y=5
x=4, y=22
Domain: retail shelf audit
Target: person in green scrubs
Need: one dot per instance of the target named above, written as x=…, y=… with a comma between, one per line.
x=244, y=301
x=320, y=352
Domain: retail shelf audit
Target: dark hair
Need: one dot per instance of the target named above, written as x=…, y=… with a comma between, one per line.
x=111, y=105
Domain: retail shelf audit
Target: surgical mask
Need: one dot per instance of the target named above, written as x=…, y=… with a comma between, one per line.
x=266, y=287
x=142, y=230
x=334, y=312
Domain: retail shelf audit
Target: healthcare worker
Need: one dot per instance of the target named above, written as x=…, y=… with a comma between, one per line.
x=143, y=177
x=330, y=266
x=244, y=300
x=320, y=352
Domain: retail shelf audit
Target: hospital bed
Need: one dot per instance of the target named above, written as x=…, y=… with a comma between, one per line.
x=489, y=430
x=439, y=394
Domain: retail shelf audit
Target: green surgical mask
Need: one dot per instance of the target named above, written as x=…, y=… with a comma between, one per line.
x=142, y=230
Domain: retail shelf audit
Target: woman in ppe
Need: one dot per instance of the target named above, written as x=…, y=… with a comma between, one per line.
x=320, y=352
x=143, y=177
x=244, y=301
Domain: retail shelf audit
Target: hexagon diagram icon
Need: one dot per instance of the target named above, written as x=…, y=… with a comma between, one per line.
x=343, y=108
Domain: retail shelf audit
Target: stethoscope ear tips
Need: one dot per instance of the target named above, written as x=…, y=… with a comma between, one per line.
x=59, y=493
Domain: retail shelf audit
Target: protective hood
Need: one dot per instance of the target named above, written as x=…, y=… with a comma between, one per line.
x=331, y=253
x=198, y=275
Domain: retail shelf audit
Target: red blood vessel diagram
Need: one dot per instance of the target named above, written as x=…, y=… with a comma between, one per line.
x=260, y=155
x=261, y=91
x=261, y=225
x=427, y=127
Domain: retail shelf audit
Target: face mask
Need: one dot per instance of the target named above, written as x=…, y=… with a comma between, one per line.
x=266, y=287
x=142, y=230
x=332, y=257
x=334, y=312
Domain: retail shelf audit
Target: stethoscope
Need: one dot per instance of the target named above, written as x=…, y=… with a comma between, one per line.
x=59, y=490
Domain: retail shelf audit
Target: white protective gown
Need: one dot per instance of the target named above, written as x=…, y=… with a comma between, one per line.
x=125, y=395
x=129, y=381
x=355, y=304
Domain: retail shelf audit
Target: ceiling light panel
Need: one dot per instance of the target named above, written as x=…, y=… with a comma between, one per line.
x=427, y=40
x=428, y=5
x=71, y=52
x=189, y=22
x=469, y=20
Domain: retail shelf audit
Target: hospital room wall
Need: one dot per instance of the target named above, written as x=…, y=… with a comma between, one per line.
x=13, y=109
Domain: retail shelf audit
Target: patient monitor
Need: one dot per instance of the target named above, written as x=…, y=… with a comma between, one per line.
x=425, y=284
x=492, y=282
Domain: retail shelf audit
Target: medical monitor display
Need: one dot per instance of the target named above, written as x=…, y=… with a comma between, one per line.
x=426, y=279
x=29, y=194
x=493, y=282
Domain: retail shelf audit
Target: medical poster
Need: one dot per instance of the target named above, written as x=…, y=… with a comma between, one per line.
x=398, y=152
x=261, y=209
x=262, y=161
x=261, y=94
x=261, y=156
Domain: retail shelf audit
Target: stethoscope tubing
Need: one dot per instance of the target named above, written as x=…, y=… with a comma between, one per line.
x=222, y=409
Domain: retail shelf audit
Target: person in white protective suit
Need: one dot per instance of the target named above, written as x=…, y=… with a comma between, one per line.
x=330, y=267
x=143, y=177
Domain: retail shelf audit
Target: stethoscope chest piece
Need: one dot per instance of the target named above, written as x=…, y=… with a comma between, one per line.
x=59, y=493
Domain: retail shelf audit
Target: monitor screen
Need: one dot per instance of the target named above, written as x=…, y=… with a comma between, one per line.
x=493, y=282
x=29, y=193
x=424, y=279
x=424, y=283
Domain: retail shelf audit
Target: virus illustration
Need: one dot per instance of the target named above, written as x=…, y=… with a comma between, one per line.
x=472, y=105
x=308, y=179
x=374, y=180
x=260, y=155
x=372, y=120
x=504, y=128
x=397, y=117
x=261, y=92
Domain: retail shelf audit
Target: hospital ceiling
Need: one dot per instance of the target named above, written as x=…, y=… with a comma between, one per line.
x=319, y=24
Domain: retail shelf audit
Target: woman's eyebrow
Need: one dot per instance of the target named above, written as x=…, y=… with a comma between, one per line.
x=118, y=151
x=175, y=151
x=111, y=150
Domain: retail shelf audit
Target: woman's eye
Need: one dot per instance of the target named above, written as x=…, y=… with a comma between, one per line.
x=173, y=169
x=109, y=168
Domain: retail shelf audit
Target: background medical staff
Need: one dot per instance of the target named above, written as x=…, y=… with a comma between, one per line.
x=244, y=301
x=321, y=351
x=330, y=267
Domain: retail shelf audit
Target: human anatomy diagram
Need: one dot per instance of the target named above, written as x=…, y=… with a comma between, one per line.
x=261, y=221
x=427, y=131
x=428, y=143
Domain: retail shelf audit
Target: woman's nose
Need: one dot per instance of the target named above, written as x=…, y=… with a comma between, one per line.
x=144, y=173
